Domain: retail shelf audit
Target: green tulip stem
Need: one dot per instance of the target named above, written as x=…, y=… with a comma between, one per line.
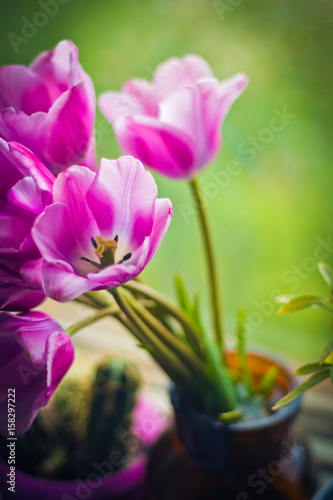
x=168, y=338
x=106, y=311
x=167, y=306
x=168, y=360
x=211, y=262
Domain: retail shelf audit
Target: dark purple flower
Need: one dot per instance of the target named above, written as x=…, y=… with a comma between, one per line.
x=35, y=354
x=25, y=190
x=20, y=290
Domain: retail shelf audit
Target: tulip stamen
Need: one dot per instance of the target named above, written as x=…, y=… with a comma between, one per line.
x=91, y=262
x=126, y=257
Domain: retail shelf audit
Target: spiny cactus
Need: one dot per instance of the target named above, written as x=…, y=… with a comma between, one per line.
x=85, y=423
x=113, y=400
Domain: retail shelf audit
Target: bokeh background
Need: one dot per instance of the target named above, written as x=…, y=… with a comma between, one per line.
x=271, y=218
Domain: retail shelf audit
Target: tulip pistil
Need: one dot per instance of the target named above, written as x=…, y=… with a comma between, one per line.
x=105, y=250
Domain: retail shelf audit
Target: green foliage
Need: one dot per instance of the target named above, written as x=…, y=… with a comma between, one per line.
x=323, y=368
x=310, y=368
x=301, y=302
x=317, y=377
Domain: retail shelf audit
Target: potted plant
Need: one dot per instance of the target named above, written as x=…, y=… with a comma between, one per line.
x=82, y=234
x=91, y=440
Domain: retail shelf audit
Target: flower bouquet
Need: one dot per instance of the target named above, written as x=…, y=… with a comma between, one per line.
x=73, y=231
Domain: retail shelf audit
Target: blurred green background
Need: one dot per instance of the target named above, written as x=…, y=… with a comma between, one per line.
x=270, y=219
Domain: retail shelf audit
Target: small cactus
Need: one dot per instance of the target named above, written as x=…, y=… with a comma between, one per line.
x=84, y=423
x=113, y=400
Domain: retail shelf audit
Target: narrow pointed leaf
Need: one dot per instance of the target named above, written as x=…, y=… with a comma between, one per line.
x=310, y=382
x=182, y=295
x=326, y=273
x=298, y=303
x=268, y=381
x=241, y=351
x=326, y=352
x=231, y=416
x=310, y=368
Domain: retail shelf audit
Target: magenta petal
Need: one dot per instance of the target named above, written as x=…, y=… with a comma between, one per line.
x=24, y=129
x=22, y=90
x=162, y=219
x=122, y=199
x=176, y=73
x=230, y=90
x=61, y=284
x=53, y=235
x=16, y=294
x=58, y=68
x=115, y=105
x=70, y=189
x=17, y=162
x=68, y=128
x=159, y=146
x=36, y=376
x=15, y=227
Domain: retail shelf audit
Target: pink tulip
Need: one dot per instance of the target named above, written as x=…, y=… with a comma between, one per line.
x=50, y=108
x=102, y=229
x=172, y=124
x=35, y=354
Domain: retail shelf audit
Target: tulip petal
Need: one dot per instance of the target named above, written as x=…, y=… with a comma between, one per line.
x=116, y=199
x=70, y=189
x=22, y=89
x=162, y=219
x=61, y=284
x=230, y=90
x=176, y=73
x=68, y=128
x=36, y=376
x=55, y=240
x=158, y=145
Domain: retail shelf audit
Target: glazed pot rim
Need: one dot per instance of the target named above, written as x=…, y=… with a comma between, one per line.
x=284, y=413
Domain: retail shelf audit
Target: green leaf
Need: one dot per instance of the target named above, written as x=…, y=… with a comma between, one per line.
x=331, y=374
x=218, y=374
x=304, y=386
x=298, y=303
x=326, y=352
x=268, y=381
x=326, y=273
x=182, y=295
x=231, y=416
x=310, y=368
x=241, y=351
